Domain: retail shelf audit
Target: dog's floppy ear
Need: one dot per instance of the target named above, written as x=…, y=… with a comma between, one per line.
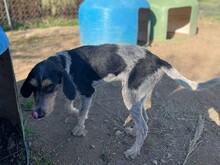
x=68, y=87
x=27, y=88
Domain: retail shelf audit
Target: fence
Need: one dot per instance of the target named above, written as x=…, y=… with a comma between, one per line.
x=31, y=13
x=38, y=13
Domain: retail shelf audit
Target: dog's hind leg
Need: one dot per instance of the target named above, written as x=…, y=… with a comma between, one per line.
x=132, y=131
x=147, y=106
x=135, y=103
x=140, y=128
x=128, y=103
x=79, y=129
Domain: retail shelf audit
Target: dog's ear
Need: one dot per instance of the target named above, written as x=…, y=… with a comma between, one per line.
x=27, y=88
x=68, y=87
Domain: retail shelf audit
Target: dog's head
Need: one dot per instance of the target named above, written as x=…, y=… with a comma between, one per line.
x=43, y=81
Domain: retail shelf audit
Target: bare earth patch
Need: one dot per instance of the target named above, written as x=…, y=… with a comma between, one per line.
x=174, y=116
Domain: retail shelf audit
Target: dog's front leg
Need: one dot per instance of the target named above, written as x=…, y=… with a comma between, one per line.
x=79, y=129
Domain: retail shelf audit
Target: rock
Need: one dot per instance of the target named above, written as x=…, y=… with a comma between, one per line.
x=118, y=132
x=106, y=120
x=155, y=162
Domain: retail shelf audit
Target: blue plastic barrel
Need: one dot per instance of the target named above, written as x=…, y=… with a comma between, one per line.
x=4, y=43
x=113, y=21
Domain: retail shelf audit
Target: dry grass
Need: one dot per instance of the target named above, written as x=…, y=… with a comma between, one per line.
x=196, y=139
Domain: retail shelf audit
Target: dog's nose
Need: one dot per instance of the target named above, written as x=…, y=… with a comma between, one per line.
x=38, y=113
x=41, y=114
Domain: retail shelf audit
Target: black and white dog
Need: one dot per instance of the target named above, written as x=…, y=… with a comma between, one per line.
x=83, y=68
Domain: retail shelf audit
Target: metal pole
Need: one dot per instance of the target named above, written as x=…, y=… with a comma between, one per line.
x=8, y=15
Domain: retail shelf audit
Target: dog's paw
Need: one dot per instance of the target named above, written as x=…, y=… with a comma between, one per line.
x=131, y=153
x=130, y=131
x=79, y=131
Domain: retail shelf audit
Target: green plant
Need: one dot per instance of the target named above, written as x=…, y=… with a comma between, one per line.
x=43, y=161
x=28, y=131
x=27, y=104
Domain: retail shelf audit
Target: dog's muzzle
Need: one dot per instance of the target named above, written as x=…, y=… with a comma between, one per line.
x=38, y=113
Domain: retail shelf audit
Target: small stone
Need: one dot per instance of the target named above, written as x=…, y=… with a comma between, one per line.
x=106, y=120
x=181, y=118
x=118, y=132
x=154, y=162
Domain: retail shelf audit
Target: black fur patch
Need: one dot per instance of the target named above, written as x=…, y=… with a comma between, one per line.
x=102, y=59
x=92, y=63
x=63, y=61
x=144, y=68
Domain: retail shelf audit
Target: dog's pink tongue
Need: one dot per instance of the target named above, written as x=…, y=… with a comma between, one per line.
x=35, y=115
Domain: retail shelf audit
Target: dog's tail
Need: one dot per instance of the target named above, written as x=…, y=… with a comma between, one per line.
x=186, y=83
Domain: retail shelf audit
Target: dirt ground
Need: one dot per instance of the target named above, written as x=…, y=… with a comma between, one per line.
x=174, y=115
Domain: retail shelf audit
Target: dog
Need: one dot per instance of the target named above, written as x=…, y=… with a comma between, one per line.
x=82, y=69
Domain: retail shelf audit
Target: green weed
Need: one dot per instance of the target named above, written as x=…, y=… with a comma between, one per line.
x=27, y=104
x=43, y=161
x=28, y=131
